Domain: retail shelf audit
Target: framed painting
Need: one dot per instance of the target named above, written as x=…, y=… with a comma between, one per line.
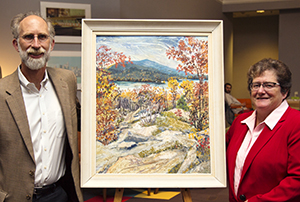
x=152, y=104
x=70, y=60
x=66, y=19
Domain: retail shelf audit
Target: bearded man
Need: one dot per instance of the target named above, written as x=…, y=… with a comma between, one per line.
x=38, y=121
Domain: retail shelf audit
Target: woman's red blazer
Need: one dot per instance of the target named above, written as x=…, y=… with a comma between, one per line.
x=272, y=168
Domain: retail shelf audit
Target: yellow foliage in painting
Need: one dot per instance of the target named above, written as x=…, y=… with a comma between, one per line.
x=106, y=115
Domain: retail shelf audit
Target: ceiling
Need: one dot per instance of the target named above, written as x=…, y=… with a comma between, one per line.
x=250, y=1
x=250, y=8
x=257, y=13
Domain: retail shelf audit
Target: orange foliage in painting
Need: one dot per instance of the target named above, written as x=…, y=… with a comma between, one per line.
x=105, y=57
x=192, y=54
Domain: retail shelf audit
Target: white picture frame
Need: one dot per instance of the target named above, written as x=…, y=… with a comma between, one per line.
x=67, y=20
x=213, y=29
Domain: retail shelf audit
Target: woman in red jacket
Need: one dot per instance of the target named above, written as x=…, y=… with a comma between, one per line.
x=263, y=146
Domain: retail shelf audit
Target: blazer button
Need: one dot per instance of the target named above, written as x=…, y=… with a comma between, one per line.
x=243, y=197
x=31, y=173
x=28, y=197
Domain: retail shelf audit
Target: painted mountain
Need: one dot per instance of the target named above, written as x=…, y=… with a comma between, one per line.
x=146, y=70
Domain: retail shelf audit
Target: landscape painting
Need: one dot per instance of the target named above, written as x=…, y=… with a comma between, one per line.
x=152, y=111
x=152, y=104
x=70, y=60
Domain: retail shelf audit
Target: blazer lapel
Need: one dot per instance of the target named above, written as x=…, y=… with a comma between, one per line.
x=16, y=105
x=261, y=141
x=62, y=91
x=237, y=144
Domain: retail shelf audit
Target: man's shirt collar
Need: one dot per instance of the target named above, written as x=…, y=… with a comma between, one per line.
x=30, y=86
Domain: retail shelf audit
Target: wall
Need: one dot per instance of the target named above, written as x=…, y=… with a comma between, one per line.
x=253, y=5
x=170, y=9
x=289, y=44
x=228, y=47
x=9, y=58
x=257, y=37
x=246, y=40
x=250, y=44
x=254, y=38
x=179, y=9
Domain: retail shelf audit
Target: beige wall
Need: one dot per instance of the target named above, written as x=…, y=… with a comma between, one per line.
x=246, y=40
x=289, y=44
x=254, y=38
x=150, y=9
x=9, y=58
x=228, y=48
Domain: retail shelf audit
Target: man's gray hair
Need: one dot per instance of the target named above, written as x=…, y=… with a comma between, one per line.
x=15, y=23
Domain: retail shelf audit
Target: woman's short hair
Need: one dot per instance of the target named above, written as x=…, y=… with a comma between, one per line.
x=15, y=24
x=284, y=75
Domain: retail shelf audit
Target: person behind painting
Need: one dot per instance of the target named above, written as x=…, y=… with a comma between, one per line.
x=38, y=121
x=263, y=146
x=232, y=105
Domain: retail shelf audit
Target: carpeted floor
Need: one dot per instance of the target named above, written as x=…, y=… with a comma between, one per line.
x=163, y=195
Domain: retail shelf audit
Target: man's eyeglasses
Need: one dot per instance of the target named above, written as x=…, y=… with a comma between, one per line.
x=30, y=37
x=266, y=85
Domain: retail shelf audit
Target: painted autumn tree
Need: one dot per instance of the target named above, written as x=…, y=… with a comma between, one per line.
x=106, y=114
x=152, y=101
x=173, y=87
x=192, y=54
x=105, y=57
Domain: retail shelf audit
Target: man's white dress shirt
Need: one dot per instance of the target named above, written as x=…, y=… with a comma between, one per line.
x=47, y=129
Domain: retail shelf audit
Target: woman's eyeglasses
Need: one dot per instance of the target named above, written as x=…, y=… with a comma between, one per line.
x=266, y=85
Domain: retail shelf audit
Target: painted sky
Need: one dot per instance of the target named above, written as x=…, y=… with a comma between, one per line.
x=143, y=47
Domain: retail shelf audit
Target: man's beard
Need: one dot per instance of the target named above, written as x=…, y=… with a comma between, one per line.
x=32, y=63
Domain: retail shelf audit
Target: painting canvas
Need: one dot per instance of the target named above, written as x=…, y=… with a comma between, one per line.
x=152, y=104
x=153, y=109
